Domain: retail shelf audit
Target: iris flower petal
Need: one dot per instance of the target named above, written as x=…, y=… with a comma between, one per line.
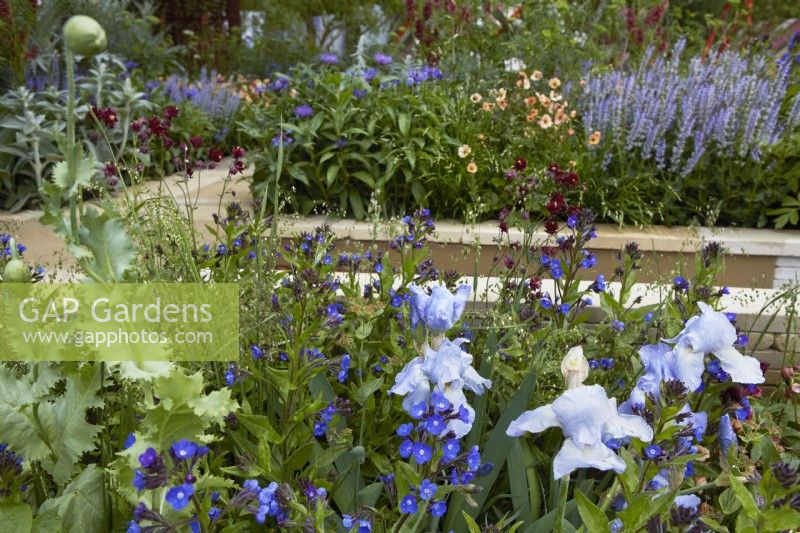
x=742, y=368
x=535, y=421
x=571, y=457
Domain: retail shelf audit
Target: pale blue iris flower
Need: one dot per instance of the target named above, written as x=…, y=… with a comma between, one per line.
x=712, y=332
x=447, y=370
x=588, y=418
x=440, y=309
x=708, y=332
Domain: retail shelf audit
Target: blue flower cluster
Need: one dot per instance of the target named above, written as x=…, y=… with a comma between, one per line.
x=726, y=105
x=339, y=407
x=207, y=92
x=433, y=385
x=5, y=248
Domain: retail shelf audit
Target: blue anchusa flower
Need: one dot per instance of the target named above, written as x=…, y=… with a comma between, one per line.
x=617, y=325
x=555, y=269
x=268, y=504
x=334, y=314
x=408, y=505
x=369, y=74
x=256, y=352
x=599, y=284
x=572, y=221
x=303, y=111
x=234, y=374
x=349, y=522
x=130, y=440
x=434, y=424
x=329, y=58
x=450, y=450
x=546, y=303
x=183, y=450
x=438, y=509
x=680, y=284
x=427, y=489
x=344, y=368
x=589, y=261
x=653, y=451
x=421, y=452
x=180, y=496
x=282, y=137
x=339, y=406
x=726, y=435
x=382, y=59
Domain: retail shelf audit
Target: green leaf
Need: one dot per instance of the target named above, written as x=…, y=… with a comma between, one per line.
x=357, y=205
x=365, y=391
x=713, y=525
x=546, y=522
x=84, y=173
x=404, y=124
x=749, y=505
x=80, y=507
x=47, y=522
x=496, y=451
x=363, y=331
x=642, y=507
x=16, y=517
x=593, y=518
x=330, y=175
x=728, y=503
x=112, y=249
x=259, y=425
x=69, y=434
x=629, y=478
x=524, y=482
x=214, y=406
x=471, y=524
x=781, y=519
x=418, y=192
x=370, y=494
x=365, y=177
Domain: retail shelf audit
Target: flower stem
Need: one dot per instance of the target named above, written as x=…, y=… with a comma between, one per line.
x=71, y=161
x=558, y=525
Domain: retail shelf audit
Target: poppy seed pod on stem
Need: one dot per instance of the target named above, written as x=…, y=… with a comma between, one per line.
x=83, y=35
x=16, y=271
